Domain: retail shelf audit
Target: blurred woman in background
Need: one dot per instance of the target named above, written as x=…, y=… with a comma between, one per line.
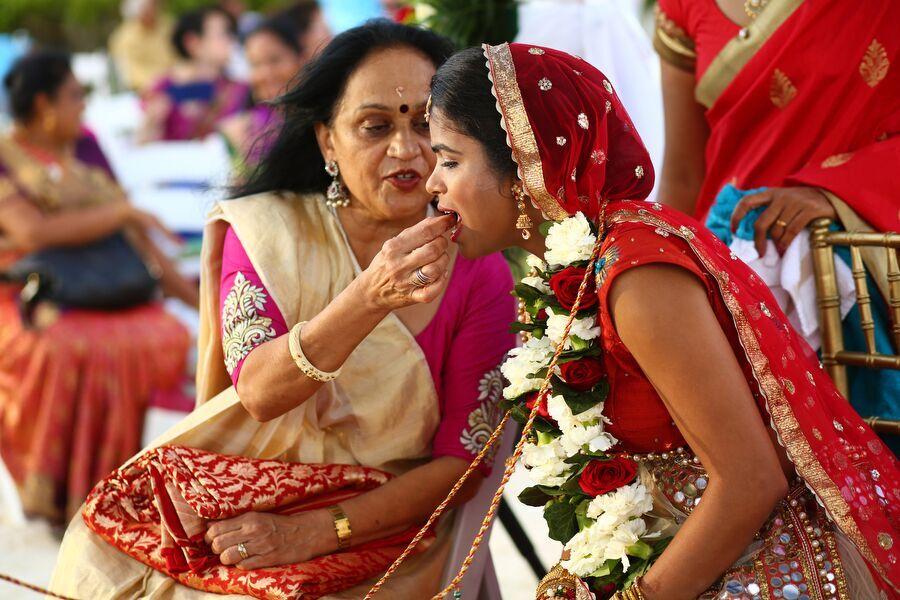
x=275, y=56
x=190, y=101
x=73, y=383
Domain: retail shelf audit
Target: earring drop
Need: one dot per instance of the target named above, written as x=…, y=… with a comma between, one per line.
x=337, y=195
x=523, y=223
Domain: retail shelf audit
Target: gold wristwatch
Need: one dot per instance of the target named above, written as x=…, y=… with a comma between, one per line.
x=341, y=526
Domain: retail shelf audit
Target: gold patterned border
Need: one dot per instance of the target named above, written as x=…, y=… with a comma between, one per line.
x=520, y=136
x=780, y=412
x=738, y=52
x=673, y=44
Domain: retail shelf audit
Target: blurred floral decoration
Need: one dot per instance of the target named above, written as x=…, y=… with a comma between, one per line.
x=465, y=22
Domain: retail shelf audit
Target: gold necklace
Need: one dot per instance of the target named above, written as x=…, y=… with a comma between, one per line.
x=754, y=7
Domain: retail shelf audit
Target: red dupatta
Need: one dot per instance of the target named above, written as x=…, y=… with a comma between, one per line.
x=577, y=151
x=817, y=104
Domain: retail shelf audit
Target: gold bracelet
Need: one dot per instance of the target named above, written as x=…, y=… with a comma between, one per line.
x=341, y=526
x=302, y=362
x=632, y=592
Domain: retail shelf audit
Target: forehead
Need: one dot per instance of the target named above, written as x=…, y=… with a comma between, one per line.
x=443, y=131
x=391, y=76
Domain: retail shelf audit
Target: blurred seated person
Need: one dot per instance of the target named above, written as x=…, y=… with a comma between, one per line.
x=245, y=20
x=142, y=45
x=74, y=383
x=311, y=26
x=275, y=57
x=190, y=101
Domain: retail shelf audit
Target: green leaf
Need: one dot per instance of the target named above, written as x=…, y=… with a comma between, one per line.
x=545, y=437
x=544, y=228
x=606, y=569
x=641, y=549
x=561, y=523
x=517, y=327
x=527, y=292
x=534, y=496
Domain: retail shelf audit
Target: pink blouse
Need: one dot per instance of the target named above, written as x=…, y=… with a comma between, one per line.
x=463, y=344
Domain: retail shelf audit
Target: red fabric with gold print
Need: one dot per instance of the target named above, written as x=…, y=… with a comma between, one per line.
x=156, y=509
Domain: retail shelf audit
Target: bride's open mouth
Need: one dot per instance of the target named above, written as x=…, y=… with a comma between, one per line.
x=457, y=227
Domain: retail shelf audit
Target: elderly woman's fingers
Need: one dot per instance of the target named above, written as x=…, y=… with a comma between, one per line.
x=427, y=253
x=218, y=528
x=432, y=291
x=432, y=271
x=222, y=542
x=421, y=233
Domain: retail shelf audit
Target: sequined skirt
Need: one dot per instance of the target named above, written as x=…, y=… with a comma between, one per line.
x=794, y=556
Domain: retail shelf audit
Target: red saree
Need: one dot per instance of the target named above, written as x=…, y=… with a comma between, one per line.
x=577, y=151
x=816, y=104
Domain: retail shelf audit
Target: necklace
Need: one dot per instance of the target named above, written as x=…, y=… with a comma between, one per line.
x=754, y=7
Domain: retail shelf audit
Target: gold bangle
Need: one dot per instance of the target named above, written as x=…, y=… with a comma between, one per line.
x=633, y=592
x=302, y=362
x=341, y=526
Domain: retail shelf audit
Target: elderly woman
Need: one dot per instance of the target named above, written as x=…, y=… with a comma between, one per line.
x=341, y=335
x=73, y=382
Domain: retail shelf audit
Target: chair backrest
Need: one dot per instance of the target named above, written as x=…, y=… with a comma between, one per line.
x=468, y=521
x=835, y=357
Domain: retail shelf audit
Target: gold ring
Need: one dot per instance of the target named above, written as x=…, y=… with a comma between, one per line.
x=781, y=223
x=242, y=550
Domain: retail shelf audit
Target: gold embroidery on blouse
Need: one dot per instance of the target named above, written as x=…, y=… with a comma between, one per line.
x=672, y=43
x=875, y=64
x=484, y=419
x=243, y=328
x=836, y=160
x=782, y=90
x=608, y=259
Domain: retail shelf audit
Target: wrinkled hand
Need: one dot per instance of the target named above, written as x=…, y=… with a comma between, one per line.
x=272, y=540
x=390, y=279
x=789, y=211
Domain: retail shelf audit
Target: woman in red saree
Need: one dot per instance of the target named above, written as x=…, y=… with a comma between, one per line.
x=799, y=497
x=800, y=97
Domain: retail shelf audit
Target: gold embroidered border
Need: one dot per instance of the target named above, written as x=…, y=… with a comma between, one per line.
x=514, y=120
x=738, y=52
x=673, y=44
x=780, y=412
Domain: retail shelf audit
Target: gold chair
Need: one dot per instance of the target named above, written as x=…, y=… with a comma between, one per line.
x=834, y=357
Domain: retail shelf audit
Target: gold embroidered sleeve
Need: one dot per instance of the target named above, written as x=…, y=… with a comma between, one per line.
x=243, y=327
x=673, y=44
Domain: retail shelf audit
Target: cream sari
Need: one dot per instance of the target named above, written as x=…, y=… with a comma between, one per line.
x=299, y=250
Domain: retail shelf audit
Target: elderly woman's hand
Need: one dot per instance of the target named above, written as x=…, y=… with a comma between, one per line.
x=271, y=540
x=411, y=267
x=789, y=211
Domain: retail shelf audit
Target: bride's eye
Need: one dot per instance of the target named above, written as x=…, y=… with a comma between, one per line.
x=449, y=164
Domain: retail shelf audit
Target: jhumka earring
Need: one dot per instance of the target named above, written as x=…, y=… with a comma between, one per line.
x=337, y=195
x=523, y=223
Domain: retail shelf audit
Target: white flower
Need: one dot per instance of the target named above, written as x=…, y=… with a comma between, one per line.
x=522, y=362
x=586, y=551
x=585, y=328
x=545, y=462
x=569, y=241
x=538, y=283
x=577, y=430
x=535, y=262
x=625, y=535
x=626, y=502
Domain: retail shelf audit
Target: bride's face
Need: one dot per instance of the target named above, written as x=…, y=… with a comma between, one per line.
x=465, y=184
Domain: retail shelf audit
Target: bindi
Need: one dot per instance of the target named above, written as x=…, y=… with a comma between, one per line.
x=404, y=108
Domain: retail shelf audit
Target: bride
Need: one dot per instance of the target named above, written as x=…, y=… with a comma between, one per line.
x=678, y=379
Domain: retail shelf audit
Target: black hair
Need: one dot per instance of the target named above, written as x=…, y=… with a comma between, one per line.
x=40, y=72
x=301, y=14
x=281, y=28
x=193, y=21
x=294, y=162
x=461, y=90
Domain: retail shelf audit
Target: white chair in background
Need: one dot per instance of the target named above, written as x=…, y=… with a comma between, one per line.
x=480, y=582
x=10, y=506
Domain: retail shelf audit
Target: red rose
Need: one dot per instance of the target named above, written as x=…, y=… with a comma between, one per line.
x=565, y=286
x=602, y=476
x=582, y=374
x=542, y=411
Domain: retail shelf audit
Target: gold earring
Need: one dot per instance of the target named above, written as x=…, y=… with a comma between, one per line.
x=523, y=223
